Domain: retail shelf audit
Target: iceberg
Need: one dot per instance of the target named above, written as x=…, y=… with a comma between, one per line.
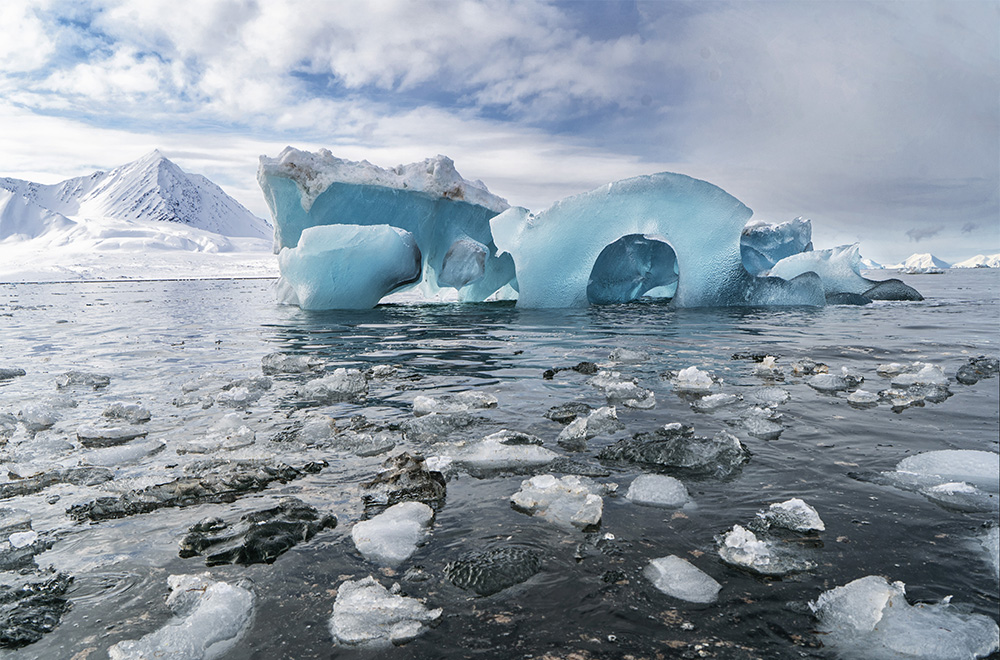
x=762, y=245
x=839, y=269
x=665, y=233
x=442, y=223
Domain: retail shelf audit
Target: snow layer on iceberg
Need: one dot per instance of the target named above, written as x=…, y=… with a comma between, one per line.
x=558, y=251
x=762, y=245
x=447, y=216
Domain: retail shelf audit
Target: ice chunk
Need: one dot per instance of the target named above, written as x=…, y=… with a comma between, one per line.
x=768, y=369
x=763, y=423
x=9, y=373
x=241, y=392
x=282, y=363
x=628, y=356
x=929, y=374
x=130, y=412
x=108, y=436
x=122, y=455
x=82, y=379
x=347, y=266
x=693, y=379
x=260, y=537
x=714, y=402
x=657, y=490
x=828, y=383
x=678, y=578
x=342, y=385
x=862, y=398
x=503, y=452
x=762, y=245
x=211, y=617
x=980, y=468
x=794, y=515
x=571, y=501
x=38, y=417
x=768, y=396
x=567, y=412
x=461, y=402
x=561, y=252
x=393, y=535
x=405, y=477
x=976, y=369
x=676, y=446
x=581, y=429
x=741, y=548
x=871, y=618
x=366, y=614
x=960, y=496
x=445, y=216
x=492, y=571
x=228, y=433
x=840, y=270
x=622, y=390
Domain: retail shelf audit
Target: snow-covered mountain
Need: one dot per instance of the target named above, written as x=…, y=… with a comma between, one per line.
x=148, y=218
x=151, y=188
x=924, y=262
x=980, y=261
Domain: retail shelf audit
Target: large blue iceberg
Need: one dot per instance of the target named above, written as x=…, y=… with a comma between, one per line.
x=347, y=234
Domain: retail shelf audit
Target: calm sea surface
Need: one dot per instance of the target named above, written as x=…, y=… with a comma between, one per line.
x=590, y=596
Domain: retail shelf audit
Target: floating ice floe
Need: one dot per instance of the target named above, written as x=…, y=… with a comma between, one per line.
x=9, y=373
x=741, y=548
x=714, y=402
x=692, y=379
x=963, y=480
x=393, y=535
x=130, y=412
x=94, y=436
x=566, y=412
x=839, y=269
x=33, y=605
x=977, y=369
x=762, y=422
x=628, y=356
x=794, y=515
x=210, y=618
x=768, y=396
x=404, y=477
x=38, y=417
x=82, y=379
x=122, y=454
x=228, y=433
x=863, y=399
x=929, y=374
x=242, y=392
x=677, y=577
x=657, y=490
x=461, y=402
x=18, y=542
x=283, y=363
x=576, y=434
x=505, y=451
x=342, y=385
x=367, y=614
x=436, y=426
x=768, y=369
x=870, y=618
x=571, y=501
x=260, y=537
x=623, y=390
x=676, y=446
x=493, y=570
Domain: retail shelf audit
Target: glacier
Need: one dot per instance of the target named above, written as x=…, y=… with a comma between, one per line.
x=349, y=233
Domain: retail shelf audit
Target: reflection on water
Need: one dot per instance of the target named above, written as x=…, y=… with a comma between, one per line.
x=589, y=597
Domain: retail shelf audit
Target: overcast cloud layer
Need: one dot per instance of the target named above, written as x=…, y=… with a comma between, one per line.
x=881, y=121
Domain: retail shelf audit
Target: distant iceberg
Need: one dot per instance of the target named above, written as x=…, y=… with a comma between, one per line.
x=979, y=261
x=921, y=264
x=348, y=233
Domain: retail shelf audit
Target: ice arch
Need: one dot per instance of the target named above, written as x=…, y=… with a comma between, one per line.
x=556, y=250
x=630, y=268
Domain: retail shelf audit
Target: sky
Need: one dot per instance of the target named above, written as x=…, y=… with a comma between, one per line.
x=880, y=121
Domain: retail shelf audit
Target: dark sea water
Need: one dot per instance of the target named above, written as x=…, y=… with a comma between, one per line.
x=590, y=597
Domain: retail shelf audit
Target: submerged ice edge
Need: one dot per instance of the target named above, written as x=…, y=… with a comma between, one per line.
x=662, y=235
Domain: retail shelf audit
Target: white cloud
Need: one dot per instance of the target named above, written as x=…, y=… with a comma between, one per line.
x=24, y=43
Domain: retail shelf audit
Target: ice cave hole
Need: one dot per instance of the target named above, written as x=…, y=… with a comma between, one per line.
x=634, y=266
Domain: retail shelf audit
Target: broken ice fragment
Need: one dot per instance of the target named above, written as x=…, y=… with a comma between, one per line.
x=713, y=402
x=366, y=614
x=282, y=363
x=862, y=399
x=405, y=477
x=929, y=374
x=828, y=383
x=492, y=571
x=31, y=606
x=461, y=402
x=794, y=515
x=82, y=379
x=676, y=446
x=677, y=577
x=624, y=391
x=393, y=535
x=503, y=452
x=342, y=385
x=741, y=548
x=130, y=412
x=657, y=490
x=693, y=379
x=603, y=420
x=108, y=436
x=870, y=618
x=571, y=501
x=210, y=617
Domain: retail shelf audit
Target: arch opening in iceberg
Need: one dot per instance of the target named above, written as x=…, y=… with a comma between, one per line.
x=632, y=267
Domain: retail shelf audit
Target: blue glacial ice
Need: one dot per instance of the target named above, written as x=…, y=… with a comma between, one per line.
x=444, y=216
x=347, y=234
x=762, y=245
